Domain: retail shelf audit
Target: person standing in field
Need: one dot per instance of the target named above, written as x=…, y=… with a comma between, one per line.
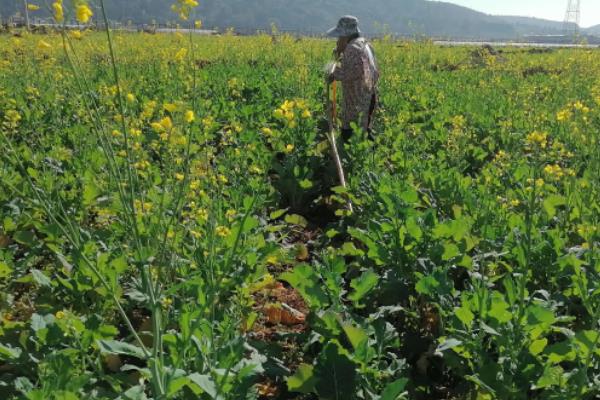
x=356, y=69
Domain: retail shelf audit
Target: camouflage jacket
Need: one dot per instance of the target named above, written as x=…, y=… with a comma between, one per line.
x=359, y=74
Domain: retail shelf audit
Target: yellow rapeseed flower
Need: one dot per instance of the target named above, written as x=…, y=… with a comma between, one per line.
x=135, y=132
x=33, y=7
x=563, y=115
x=180, y=55
x=538, y=138
x=554, y=171
x=170, y=107
x=223, y=231
x=202, y=214
x=189, y=116
x=42, y=45
x=83, y=13
x=130, y=97
x=60, y=315
x=184, y=7
x=59, y=14
x=166, y=123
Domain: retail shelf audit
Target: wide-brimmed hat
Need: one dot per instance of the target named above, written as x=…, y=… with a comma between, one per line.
x=347, y=26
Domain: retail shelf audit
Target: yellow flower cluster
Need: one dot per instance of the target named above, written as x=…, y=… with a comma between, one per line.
x=142, y=165
x=43, y=45
x=267, y=131
x=12, y=117
x=162, y=126
x=586, y=230
x=579, y=106
x=180, y=55
x=539, y=183
x=459, y=122
x=183, y=8
x=83, y=13
x=567, y=113
x=564, y=115
x=142, y=207
x=554, y=171
x=538, y=139
x=223, y=231
x=287, y=112
x=148, y=109
x=235, y=87
x=59, y=14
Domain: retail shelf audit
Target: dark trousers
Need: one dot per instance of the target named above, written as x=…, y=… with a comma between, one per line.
x=347, y=132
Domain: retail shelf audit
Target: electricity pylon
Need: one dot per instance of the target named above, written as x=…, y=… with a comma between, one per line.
x=572, y=18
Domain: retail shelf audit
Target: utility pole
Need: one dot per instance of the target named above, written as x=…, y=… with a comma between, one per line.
x=572, y=18
x=26, y=14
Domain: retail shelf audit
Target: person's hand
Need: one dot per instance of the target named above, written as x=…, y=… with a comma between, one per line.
x=329, y=71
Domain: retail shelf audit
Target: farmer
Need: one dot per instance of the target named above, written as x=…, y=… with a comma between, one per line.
x=357, y=70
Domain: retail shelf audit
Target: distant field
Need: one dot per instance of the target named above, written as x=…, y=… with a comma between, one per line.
x=182, y=235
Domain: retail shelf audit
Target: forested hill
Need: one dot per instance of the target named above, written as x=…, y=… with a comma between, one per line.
x=413, y=17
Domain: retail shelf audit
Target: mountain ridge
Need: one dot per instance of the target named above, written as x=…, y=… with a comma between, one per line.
x=403, y=17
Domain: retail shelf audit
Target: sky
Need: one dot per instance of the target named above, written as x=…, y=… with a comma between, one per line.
x=547, y=9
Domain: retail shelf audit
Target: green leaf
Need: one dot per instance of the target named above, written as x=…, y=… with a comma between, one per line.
x=551, y=202
x=40, y=278
x=24, y=237
x=587, y=342
x=465, y=315
x=336, y=374
x=176, y=384
x=278, y=213
x=295, y=219
x=539, y=315
x=394, y=390
x=5, y=270
x=413, y=229
x=427, y=285
x=305, y=280
x=305, y=184
x=550, y=377
x=303, y=381
x=499, y=309
x=450, y=251
x=356, y=335
x=363, y=285
x=116, y=347
x=135, y=393
x=206, y=383
x=9, y=353
x=349, y=249
x=537, y=346
x=410, y=196
x=448, y=344
x=90, y=193
x=559, y=352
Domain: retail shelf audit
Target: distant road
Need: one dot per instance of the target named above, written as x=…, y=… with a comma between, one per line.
x=453, y=43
